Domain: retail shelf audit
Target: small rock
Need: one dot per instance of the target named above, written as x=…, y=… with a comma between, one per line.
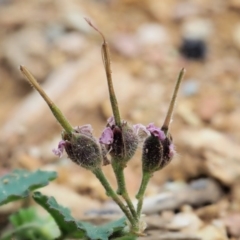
x=232, y=222
x=161, y=10
x=236, y=36
x=167, y=215
x=186, y=111
x=73, y=176
x=186, y=10
x=190, y=87
x=197, y=29
x=126, y=44
x=10, y=207
x=209, y=212
x=211, y=232
x=73, y=20
x=193, y=49
x=152, y=34
x=222, y=156
x=9, y=17
x=234, y=4
x=72, y=15
x=189, y=222
x=28, y=47
x=72, y=44
x=236, y=194
x=28, y=162
x=195, y=33
x=176, y=194
x=163, y=235
x=233, y=120
x=208, y=106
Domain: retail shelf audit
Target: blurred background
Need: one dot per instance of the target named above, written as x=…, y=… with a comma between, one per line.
x=150, y=41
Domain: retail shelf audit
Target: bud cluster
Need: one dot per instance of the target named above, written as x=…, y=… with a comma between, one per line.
x=121, y=143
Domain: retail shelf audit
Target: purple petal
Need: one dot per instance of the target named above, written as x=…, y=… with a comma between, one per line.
x=85, y=129
x=157, y=132
x=140, y=130
x=60, y=149
x=171, y=150
x=111, y=121
x=107, y=136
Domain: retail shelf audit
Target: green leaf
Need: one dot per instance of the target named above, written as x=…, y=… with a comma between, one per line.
x=105, y=231
x=24, y=215
x=27, y=224
x=128, y=237
x=18, y=184
x=62, y=216
x=70, y=227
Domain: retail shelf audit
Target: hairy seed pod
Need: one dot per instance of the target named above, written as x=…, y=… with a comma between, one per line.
x=125, y=143
x=130, y=140
x=84, y=151
x=81, y=147
x=158, y=150
x=120, y=142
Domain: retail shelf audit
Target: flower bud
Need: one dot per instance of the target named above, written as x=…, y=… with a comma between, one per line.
x=121, y=142
x=158, y=150
x=81, y=147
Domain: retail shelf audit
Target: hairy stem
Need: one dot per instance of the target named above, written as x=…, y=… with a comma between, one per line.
x=122, y=190
x=55, y=110
x=113, y=99
x=140, y=195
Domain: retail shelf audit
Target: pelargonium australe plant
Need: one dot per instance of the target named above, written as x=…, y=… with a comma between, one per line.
x=119, y=141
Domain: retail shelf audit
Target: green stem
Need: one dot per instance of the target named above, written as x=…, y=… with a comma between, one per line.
x=168, y=117
x=113, y=99
x=55, y=110
x=122, y=190
x=111, y=193
x=140, y=195
x=107, y=66
x=118, y=171
x=24, y=228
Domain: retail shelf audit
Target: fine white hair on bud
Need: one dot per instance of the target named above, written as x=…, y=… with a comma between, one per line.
x=121, y=142
x=158, y=150
x=82, y=148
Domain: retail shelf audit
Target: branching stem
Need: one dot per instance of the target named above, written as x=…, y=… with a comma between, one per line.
x=122, y=190
x=111, y=193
